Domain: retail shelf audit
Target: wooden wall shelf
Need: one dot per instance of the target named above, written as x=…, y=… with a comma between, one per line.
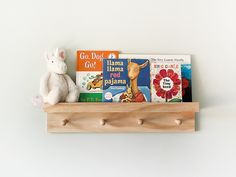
x=121, y=117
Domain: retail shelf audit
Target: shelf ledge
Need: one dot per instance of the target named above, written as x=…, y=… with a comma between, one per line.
x=122, y=107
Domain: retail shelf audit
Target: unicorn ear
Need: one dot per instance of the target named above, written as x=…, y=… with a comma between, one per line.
x=59, y=53
x=62, y=54
x=47, y=56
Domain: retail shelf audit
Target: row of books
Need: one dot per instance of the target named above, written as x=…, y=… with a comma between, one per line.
x=108, y=76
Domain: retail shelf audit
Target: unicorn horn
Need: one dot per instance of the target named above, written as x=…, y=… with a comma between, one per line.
x=57, y=52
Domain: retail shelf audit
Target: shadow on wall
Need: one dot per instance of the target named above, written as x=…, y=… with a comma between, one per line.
x=198, y=89
x=71, y=62
x=198, y=84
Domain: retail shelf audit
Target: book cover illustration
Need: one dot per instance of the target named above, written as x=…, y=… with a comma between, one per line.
x=89, y=77
x=126, y=80
x=186, y=74
x=166, y=82
x=186, y=71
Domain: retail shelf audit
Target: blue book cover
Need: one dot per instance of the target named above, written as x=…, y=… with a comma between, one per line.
x=126, y=80
x=186, y=71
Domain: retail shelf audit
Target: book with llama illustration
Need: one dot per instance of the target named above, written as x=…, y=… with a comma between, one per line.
x=186, y=71
x=126, y=80
x=89, y=77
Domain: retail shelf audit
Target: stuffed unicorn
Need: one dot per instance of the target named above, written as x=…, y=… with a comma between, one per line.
x=56, y=86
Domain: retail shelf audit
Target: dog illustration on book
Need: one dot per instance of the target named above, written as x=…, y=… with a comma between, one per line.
x=95, y=83
x=133, y=94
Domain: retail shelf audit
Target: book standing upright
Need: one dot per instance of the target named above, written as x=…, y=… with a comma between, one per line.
x=89, y=76
x=186, y=69
x=126, y=80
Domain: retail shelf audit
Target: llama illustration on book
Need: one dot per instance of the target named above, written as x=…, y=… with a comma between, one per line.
x=186, y=71
x=126, y=80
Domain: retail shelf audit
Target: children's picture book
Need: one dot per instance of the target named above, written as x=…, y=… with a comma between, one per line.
x=126, y=80
x=186, y=71
x=89, y=76
x=166, y=82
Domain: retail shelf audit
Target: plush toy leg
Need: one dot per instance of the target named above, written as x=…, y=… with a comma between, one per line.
x=53, y=97
x=73, y=95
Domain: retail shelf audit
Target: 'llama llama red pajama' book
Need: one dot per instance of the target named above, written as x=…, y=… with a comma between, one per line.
x=126, y=80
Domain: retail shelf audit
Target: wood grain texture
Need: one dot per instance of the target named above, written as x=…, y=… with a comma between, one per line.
x=122, y=107
x=121, y=122
x=122, y=117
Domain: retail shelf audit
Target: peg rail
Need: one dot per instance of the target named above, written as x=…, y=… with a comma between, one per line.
x=121, y=117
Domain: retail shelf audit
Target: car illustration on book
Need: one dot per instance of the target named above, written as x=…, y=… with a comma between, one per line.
x=95, y=83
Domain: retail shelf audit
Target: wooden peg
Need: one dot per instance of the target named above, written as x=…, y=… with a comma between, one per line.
x=140, y=122
x=178, y=121
x=64, y=122
x=102, y=122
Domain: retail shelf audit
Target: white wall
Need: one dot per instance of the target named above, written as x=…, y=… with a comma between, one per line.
x=204, y=28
